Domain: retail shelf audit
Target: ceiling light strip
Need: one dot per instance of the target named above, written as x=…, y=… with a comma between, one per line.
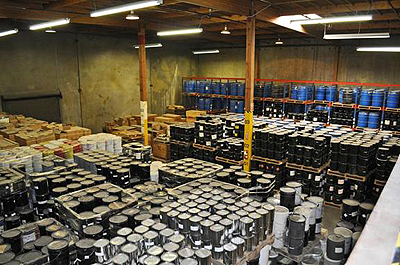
x=205, y=52
x=380, y=35
x=50, y=24
x=326, y=20
x=180, y=32
x=125, y=8
x=378, y=49
x=152, y=45
x=8, y=32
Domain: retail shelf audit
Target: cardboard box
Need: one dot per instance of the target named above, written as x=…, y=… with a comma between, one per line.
x=164, y=120
x=150, y=117
x=7, y=144
x=192, y=114
x=161, y=149
x=175, y=117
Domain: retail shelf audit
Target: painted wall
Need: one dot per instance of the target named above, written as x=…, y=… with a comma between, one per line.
x=306, y=63
x=104, y=69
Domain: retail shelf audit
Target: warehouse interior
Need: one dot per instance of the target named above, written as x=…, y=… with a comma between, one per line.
x=72, y=90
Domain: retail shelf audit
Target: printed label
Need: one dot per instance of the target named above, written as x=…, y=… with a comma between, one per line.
x=194, y=228
x=201, y=134
x=354, y=214
x=219, y=249
x=338, y=250
x=180, y=226
x=148, y=244
x=317, y=178
x=214, y=136
x=340, y=191
x=29, y=238
x=209, y=247
x=292, y=173
x=331, y=188
x=394, y=123
x=197, y=243
x=341, y=181
x=201, y=128
x=387, y=122
x=208, y=143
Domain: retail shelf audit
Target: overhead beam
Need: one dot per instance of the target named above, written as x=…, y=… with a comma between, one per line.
x=62, y=3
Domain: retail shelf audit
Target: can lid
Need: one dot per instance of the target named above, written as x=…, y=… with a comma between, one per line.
x=151, y=260
x=171, y=247
x=57, y=245
x=30, y=256
x=367, y=206
x=189, y=261
x=129, y=248
x=6, y=257
x=85, y=243
x=60, y=234
x=101, y=209
x=346, y=233
x=117, y=241
x=230, y=247
x=351, y=202
x=45, y=222
x=150, y=235
x=93, y=229
x=120, y=259
x=186, y=253
x=202, y=253
x=148, y=222
x=118, y=219
x=167, y=232
x=336, y=238
x=134, y=238
x=169, y=256
x=101, y=243
x=177, y=238
x=141, y=229
x=159, y=226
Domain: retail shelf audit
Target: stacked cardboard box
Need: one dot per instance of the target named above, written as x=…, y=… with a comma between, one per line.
x=62, y=147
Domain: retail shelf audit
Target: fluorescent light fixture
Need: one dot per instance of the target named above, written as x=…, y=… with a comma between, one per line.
x=8, y=32
x=225, y=30
x=50, y=24
x=326, y=20
x=311, y=16
x=381, y=35
x=180, y=32
x=278, y=42
x=132, y=16
x=205, y=52
x=378, y=49
x=50, y=31
x=152, y=45
x=125, y=8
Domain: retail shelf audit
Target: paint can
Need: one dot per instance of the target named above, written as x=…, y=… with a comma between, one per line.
x=296, y=233
x=287, y=197
x=313, y=208
x=306, y=212
x=13, y=237
x=169, y=257
x=354, y=238
x=297, y=186
x=318, y=201
x=229, y=256
x=121, y=259
x=279, y=227
x=59, y=252
x=203, y=256
x=350, y=210
x=347, y=234
x=365, y=210
x=85, y=251
x=335, y=247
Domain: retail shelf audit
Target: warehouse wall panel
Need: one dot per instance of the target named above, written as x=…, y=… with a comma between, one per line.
x=228, y=63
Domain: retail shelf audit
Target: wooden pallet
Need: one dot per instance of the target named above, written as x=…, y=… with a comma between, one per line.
x=295, y=101
x=229, y=161
x=342, y=105
x=307, y=168
x=322, y=102
x=370, y=108
x=393, y=109
x=349, y=176
x=380, y=182
x=268, y=160
x=205, y=147
x=334, y=205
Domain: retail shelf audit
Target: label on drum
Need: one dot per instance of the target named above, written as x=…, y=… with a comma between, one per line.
x=341, y=181
x=219, y=249
x=180, y=226
x=394, y=123
x=318, y=228
x=292, y=173
x=331, y=188
x=387, y=122
x=138, y=156
x=315, y=119
x=201, y=134
x=194, y=228
x=214, y=136
x=149, y=244
x=201, y=128
x=340, y=191
x=317, y=178
x=209, y=247
x=208, y=143
x=354, y=214
x=355, y=186
x=29, y=237
x=197, y=243
x=338, y=250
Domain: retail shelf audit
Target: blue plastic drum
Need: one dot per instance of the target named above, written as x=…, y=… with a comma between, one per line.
x=207, y=87
x=200, y=103
x=377, y=98
x=373, y=120
x=363, y=119
x=223, y=89
x=240, y=89
x=240, y=106
x=234, y=89
x=295, y=93
x=320, y=93
x=331, y=93
x=366, y=97
x=393, y=99
x=267, y=90
x=232, y=105
x=207, y=104
x=216, y=88
x=303, y=93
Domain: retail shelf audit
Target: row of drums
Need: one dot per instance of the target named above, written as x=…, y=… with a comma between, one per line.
x=216, y=88
x=370, y=97
x=208, y=104
x=368, y=119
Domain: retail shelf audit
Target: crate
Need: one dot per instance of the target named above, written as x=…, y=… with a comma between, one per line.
x=77, y=222
x=45, y=258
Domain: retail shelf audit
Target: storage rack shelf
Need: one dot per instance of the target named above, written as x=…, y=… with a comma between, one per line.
x=268, y=160
x=307, y=168
x=306, y=103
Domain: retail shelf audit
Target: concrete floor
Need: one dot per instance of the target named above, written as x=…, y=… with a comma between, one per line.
x=330, y=217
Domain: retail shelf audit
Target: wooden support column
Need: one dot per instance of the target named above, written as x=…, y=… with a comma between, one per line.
x=336, y=63
x=249, y=95
x=143, y=82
